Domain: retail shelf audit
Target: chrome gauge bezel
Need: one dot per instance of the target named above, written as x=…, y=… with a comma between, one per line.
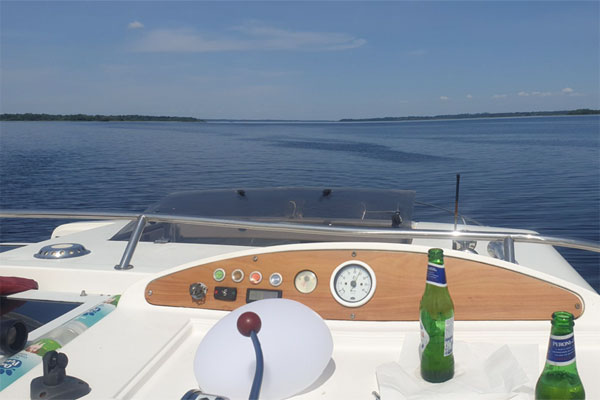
x=313, y=279
x=335, y=275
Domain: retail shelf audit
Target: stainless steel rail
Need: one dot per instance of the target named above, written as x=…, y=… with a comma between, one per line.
x=508, y=238
x=132, y=244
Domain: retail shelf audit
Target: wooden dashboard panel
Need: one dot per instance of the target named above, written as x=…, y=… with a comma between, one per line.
x=479, y=291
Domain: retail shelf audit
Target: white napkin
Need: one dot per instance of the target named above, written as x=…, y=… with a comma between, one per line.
x=486, y=371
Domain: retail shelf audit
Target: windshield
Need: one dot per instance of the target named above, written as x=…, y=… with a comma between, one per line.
x=329, y=207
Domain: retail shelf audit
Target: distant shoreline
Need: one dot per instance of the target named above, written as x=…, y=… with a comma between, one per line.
x=585, y=111
x=149, y=118
x=101, y=118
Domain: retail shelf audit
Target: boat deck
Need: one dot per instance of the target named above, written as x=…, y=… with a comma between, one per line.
x=146, y=347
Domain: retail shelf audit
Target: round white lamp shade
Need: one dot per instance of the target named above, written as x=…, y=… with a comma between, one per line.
x=296, y=345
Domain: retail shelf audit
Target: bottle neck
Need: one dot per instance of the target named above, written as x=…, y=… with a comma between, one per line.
x=561, y=347
x=561, y=330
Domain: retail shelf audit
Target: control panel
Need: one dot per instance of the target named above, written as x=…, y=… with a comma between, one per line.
x=367, y=285
x=199, y=290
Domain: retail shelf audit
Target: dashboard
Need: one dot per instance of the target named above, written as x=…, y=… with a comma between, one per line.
x=365, y=285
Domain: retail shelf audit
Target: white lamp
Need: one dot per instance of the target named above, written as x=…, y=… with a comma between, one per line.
x=296, y=345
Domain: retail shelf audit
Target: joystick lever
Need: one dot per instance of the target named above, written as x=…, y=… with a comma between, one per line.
x=55, y=384
x=249, y=324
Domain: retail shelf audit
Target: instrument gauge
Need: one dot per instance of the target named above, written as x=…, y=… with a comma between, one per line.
x=305, y=281
x=353, y=283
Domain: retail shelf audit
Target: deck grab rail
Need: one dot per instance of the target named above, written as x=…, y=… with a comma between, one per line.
x=507, y=238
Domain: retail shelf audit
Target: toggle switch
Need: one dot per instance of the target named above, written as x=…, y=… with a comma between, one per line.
x=225, y=293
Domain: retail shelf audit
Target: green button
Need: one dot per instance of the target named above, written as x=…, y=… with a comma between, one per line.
x=219, y=275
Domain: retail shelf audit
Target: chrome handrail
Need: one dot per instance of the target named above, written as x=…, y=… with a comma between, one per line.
x=66, y=214
x=132, y=244
x=508, y=238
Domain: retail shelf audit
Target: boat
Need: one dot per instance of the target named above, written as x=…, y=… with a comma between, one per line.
x=145, y=305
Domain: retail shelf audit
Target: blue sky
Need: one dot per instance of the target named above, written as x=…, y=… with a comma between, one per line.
x=298, y=60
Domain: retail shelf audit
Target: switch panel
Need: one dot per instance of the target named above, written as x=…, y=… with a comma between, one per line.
x=225, y=293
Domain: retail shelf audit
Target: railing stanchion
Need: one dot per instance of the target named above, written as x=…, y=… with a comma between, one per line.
x=509, y=249
x=131, y=245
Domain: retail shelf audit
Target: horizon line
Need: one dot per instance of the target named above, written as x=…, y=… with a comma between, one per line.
x=65, y=117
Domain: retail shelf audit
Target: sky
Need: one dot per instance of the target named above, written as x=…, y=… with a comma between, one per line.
x=298, y=60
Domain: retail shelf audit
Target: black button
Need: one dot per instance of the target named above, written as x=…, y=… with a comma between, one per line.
x=225, y=293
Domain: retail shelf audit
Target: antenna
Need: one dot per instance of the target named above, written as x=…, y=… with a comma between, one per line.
x=454, y=242
x=456, y=201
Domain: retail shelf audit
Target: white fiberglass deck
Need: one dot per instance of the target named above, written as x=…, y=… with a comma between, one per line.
x=142, y=351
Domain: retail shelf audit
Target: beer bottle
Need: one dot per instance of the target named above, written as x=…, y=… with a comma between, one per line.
x=437, y=323
x=559, y=379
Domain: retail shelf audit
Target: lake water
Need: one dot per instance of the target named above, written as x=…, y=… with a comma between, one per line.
x=532, y=173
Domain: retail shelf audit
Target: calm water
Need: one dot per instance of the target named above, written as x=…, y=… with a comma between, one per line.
x=534, y=173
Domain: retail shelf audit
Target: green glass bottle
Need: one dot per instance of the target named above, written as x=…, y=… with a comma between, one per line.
x=437, y=323
x=559, y=379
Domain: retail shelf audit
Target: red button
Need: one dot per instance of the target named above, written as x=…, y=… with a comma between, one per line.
x=255, y=277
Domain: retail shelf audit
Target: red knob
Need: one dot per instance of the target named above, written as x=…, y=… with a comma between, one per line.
x=248, y=322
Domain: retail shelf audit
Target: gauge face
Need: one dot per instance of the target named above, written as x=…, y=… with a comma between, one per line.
x=353, y=283
x=305, y=281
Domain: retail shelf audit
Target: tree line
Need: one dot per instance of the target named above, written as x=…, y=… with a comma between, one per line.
x=86, y=117
x=582, y=111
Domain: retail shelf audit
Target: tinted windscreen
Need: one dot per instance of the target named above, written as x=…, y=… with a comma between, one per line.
x=336, y=207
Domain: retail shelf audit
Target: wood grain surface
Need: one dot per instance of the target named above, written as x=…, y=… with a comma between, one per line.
x=479, y=291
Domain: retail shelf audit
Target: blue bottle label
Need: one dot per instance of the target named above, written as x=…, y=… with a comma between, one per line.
x=561, y=350
x=436, y=275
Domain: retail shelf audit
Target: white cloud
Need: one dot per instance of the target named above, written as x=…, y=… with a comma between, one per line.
x=566, y=91
x=444, y=98
x=469, y=96
x=135, y=25
x=499, y=96
x=535, y=93
x=570, y=92
x=252, y=36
